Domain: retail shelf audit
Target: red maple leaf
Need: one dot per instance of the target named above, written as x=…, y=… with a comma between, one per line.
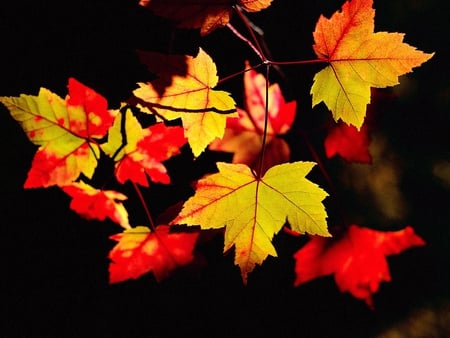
x=140, y=251
x=144, y=151
x=243, y=135
x=346, y=141
x=92, y=203
x=357, y=259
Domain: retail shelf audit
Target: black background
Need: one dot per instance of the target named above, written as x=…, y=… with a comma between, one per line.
x=54, y=280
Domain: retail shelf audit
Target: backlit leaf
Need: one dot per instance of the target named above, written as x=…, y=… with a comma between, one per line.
x=93, y=203
x=65, y=131
x=349, y=143
x=243, y=135
x=357, y=59
x=140, y=251
x=187, y=95
x=253, y=210
x=144, y=151
x=357, y=259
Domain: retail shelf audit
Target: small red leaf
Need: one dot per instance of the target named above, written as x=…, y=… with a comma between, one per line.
x=158, y=145
x=140, y=251
x=144, y=150
x=357, y=260
x=244, y=134
x=92, y=203
x=351, y=144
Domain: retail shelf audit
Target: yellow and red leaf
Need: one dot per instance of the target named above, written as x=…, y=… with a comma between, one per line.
x=243, y=135
x=65, y=131
x=93, y=203
x=358, y=59
x=144, y=151
x=140, y=251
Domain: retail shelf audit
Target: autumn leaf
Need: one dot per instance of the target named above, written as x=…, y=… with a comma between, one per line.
x=203, y=111
x=254, y=209
x=351, y=144
x=140, y=251
x=243, y=135
x=144, y=149
x=65, y=131
x=207, y=15
x=357, y=260
x=93, y=203
x=357, y=59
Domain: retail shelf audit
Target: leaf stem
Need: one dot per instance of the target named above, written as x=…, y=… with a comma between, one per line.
x=147, y=211
x=266, y=123
x=247, y=41
x=229, y=77
x=298, y=62
x=255, y=44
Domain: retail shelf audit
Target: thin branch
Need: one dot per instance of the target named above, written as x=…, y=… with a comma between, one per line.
x=255, y=45
x=266, y=123
x=147, y=211
x=247, y=41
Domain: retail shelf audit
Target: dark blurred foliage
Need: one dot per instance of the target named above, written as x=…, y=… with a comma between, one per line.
x=54, y=280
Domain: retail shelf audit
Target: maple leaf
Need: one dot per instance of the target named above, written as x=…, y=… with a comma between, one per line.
x=357, y=259
x=243, y=135
x=189, y=96
x=349, y=143
x=357, y=59
x=144, y=150
x=93, y=203
x=64, y=130
x=140, y=251
x=207, y=15
x=253, y=210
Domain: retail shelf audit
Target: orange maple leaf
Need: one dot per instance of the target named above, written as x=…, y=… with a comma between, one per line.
x=144, y=151
x=254, y=209
x=66, y=131
x=357, y=259
x=357, y=59
x=184, y=90
x=93, y=203
x=207, y=15
x=140, y=251
x=243, y=135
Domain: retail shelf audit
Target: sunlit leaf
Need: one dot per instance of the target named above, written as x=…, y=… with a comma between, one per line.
x=140, y=251
x=253, y=210
x=93, y=203
x=144, y=149
x=65, y=131
x=357, y=59
x=189, y=96
x=243, y=135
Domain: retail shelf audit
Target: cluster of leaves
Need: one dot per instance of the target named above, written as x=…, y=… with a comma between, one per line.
x=260, y=191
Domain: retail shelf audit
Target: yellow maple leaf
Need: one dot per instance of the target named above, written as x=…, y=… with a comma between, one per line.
x=357, y=59
x=253, y=210
x=184, y=90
